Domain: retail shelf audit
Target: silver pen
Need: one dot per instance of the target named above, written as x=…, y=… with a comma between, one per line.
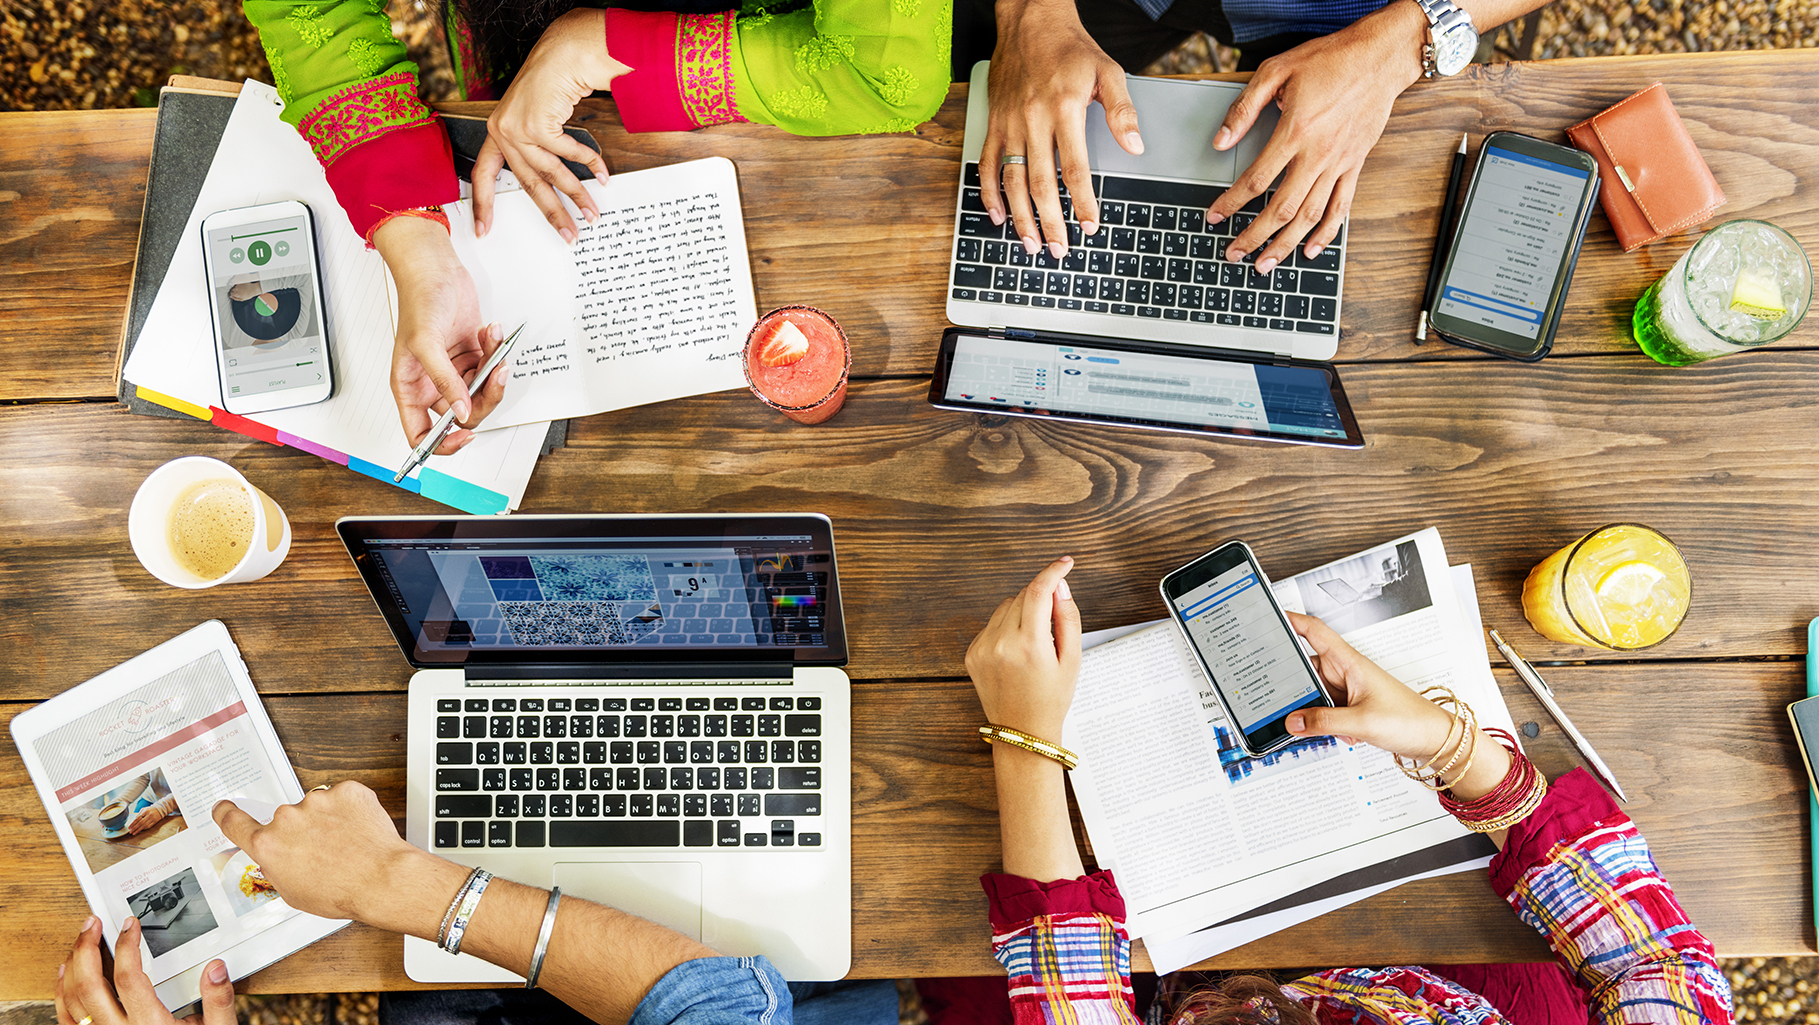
x=1545, y=694
x=446, y=422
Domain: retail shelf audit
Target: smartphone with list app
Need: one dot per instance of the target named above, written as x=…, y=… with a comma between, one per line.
x=265, y=301
x=1506, y=275
x=1256, y=663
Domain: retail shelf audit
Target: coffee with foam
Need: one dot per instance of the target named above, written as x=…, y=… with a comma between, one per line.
x=211, y=527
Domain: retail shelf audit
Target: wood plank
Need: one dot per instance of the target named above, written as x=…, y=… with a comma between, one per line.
x=1704, y=750
x=1510, y=462
x=72, y=188
x=860, y=225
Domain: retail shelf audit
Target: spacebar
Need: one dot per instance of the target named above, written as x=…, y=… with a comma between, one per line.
x=598, y=833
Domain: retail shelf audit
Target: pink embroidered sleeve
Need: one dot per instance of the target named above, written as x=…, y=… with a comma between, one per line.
x=382, y=150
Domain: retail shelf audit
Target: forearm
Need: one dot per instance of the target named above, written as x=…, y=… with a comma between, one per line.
x=599, y=961
x=1033, y=821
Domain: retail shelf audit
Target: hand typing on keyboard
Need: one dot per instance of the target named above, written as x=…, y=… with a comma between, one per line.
x=1335, y=94
x=1045, y=71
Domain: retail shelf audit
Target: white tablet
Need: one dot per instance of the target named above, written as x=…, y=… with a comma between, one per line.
x=129, y=766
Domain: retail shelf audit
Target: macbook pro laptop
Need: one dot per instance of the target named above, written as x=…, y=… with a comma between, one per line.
x=1155, y=270
x=647, y=711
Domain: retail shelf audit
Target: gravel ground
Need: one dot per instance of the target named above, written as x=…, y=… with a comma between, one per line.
x=56, y=55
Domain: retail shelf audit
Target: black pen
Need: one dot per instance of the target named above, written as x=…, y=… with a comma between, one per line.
x=1441, y=239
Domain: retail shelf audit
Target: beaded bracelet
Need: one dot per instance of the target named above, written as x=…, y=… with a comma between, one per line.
x=1017, y=738
x=1514, y=798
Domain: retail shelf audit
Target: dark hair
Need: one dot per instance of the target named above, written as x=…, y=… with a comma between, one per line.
x=1240, y=1000
x=503, y=32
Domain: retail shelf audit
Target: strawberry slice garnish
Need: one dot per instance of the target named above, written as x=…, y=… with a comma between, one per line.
x=786, y=344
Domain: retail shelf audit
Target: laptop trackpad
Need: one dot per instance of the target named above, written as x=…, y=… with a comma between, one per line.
x=666, y=892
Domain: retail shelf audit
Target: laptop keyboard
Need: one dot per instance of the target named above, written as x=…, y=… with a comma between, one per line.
x=1154, y=256
x=694, y=771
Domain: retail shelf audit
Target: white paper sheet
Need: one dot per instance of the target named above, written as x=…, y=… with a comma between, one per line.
x=1195, y=842
x=262, y=160
x=653, y=302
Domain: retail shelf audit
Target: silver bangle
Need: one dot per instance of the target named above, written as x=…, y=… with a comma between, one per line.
x=543, y=934
x=470, y=899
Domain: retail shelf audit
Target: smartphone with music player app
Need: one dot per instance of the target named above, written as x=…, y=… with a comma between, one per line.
x=1242, y=639
x=265, y=302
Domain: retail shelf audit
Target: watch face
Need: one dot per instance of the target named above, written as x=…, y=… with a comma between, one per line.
x=1454, y=48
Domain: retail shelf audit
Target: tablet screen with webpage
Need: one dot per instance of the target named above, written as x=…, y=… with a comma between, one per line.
x=130, y=767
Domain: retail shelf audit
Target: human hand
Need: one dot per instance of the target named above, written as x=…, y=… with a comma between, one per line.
x=1335, y=95
x=148, y=816
x=440, y=344
x=1024, y=664
x=83, y=992
x=1045, y=70
x=1375, y=707
x=336, y=854
x=525, y=129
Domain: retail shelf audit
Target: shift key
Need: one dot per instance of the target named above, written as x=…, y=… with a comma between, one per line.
x=786, y=805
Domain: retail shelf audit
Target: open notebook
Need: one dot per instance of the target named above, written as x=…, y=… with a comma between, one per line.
x=668, y=254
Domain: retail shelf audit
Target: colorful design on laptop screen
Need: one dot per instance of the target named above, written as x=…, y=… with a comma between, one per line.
x=512, y=594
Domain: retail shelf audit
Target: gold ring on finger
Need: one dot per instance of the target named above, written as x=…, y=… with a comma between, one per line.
x=320, y=786
x=87, y=1019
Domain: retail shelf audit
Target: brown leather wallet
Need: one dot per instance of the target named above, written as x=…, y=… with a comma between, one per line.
x=1655, y=181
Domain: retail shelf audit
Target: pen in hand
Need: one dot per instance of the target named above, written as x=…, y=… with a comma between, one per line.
x=1442, y=240
x=446, y=422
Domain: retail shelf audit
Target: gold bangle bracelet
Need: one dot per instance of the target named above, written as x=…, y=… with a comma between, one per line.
x=1035, y=745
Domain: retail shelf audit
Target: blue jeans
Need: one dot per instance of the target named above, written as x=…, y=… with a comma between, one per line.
x=709, y=991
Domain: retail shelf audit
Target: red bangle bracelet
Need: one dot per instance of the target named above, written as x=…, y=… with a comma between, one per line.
x=1513, y=799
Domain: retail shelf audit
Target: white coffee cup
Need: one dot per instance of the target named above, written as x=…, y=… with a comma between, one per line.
x=148, y=524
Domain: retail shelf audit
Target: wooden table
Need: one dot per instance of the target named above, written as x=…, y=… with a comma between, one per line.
x=940, y=514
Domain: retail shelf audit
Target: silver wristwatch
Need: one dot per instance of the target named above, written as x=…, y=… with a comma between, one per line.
x=1452, y=40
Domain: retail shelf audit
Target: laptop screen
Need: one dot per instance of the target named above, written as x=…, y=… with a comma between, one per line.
x=528, y=590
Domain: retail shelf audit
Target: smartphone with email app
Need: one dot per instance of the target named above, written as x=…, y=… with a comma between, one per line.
x=1506, y=275
x=1253, y=659
x=265, y=302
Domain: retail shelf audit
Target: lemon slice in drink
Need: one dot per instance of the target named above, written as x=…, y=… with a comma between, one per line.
x=1758, y=295
x=1629, y=584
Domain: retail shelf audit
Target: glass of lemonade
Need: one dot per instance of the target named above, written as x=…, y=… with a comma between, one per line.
x=1746, y=283
x=1622, y=587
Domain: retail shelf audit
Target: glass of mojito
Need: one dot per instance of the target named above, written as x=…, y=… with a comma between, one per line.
x=1745, y=284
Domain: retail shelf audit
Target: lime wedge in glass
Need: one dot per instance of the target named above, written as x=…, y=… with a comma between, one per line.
x=1758, y=295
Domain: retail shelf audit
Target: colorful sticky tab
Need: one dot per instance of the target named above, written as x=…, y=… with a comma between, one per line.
x=172, y=402
x=312, y=448
x=241, y=425
x=383, y=473
x=454, y=491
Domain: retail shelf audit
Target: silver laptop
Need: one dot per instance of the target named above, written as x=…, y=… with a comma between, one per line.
x=645, y=711
x=1154, y=271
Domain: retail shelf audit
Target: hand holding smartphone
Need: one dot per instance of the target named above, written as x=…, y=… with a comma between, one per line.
x=265, y=302
x=1256, y=664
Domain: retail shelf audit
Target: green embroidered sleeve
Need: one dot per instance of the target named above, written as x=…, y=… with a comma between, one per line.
x=322, y=50
x=842, y=67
